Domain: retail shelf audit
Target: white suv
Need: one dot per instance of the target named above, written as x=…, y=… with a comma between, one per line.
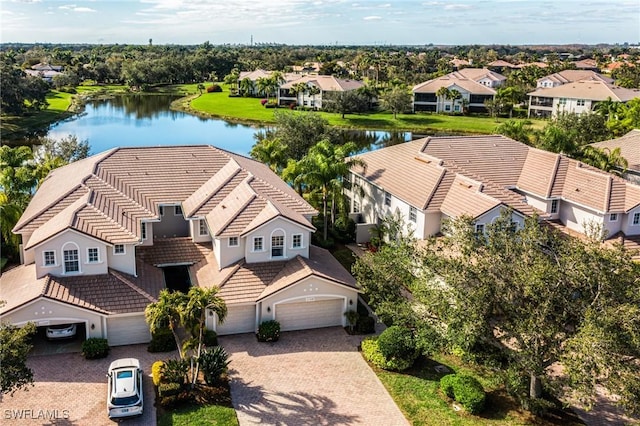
x=124, y=397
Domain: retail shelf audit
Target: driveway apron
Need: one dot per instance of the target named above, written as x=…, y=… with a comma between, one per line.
x=310, y=377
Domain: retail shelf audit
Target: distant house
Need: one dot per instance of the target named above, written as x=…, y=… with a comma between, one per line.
x=429, y=180
x=44, y=71
x=576, y=97
x=569, y=76
x=476, y=85
x=318, y=86
x=104, y=235
x=255, y=75
x=629, y=145
x=587, y=64
x=499, y=66
x=307, y=68
x=460, y=63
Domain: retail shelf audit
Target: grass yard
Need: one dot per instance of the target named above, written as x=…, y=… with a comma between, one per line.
x=58, y=109
x=250, y=109
x=416, y=392
x=199, y=415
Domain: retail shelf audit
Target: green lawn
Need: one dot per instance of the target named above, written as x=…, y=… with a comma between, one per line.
x=250, y=109
x=199, y=415
x=416, y=392
x=58, y=109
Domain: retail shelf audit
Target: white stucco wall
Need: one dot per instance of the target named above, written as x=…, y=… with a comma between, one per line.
x=613, y=227
x=493, y=214
x=45, y=312
x=69, y=240
x=627, y=225
x=575, y=217
x=194, y=231
x=123, y=262
x=226, y=254
x=277, y=226
x=571, y=106
x=311, y=289
x=149, y=240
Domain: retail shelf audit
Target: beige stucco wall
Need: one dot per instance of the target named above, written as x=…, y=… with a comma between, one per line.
x=277, y=225
x=493, y=214
x=123, y=262
x=45, y=312
x=194, y=231
x=627, y=225
x=311, y=289
x=575, y=217
x=71, y=240
x=226, y=254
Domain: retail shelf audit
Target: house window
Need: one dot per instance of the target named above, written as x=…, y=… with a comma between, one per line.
x=562, y=101
x=71, y=262
x=613, y=217
x=143, y=230
x=118, y=249
x=479, y=228
x=447, y=107
x=277, y=246
x=636, y=218
x=202, y=227
x=580, y=102
x=554, y=206
x=93, y=255
x=49, y=258
x=387, y=199
x=233, y=242
x=177, y=210
x=456, y=108
x=413, y=214
x=161, y=210
x=296, y=241
x=356, y=206
x=258, y=244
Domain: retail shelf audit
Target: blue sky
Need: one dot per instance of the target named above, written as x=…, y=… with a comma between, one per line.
x=364, y=22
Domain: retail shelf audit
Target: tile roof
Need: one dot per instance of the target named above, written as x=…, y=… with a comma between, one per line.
x=111, y=293
x=173, y=251
x=471, y=174
x=568, y=76
x=326, y=83
x=107, y=196
x=588, y=89
x=629, y=145
x=449, y=81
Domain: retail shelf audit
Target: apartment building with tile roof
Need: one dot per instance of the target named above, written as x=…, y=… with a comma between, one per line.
x=323, y=85
x=429, y=180
x=100, y=233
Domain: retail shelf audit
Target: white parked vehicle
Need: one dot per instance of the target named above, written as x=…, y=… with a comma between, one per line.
x=124, y=397
x=61, y=331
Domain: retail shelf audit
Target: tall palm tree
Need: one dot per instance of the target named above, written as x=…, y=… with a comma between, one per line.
x=299, y=89
x=167, y=312
x=10, y=213
x=17, y=173
x=324, y=168
x=272, y=152
x=313, y=90
x=194, y=315
x=245, y=86
x=442, y=94
x=454, y=95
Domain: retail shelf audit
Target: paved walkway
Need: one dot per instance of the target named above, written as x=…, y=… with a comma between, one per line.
x=311, y=377
x=70, y=390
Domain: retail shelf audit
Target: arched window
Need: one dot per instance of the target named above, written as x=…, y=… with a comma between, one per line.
x=71, y=258
x=277, y=243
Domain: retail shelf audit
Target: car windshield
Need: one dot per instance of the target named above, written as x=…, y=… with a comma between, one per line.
x=128, y=400
x=124, y=374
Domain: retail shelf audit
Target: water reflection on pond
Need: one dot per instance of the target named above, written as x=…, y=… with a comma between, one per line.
x=146, y=120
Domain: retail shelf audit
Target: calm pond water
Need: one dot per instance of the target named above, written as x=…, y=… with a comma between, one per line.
x=146, y=120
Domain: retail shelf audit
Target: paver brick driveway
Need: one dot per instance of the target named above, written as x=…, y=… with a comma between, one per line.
x=311, y=377
x=70, y=390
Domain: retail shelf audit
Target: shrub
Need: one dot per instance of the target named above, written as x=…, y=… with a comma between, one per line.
x=365, y=325
x=210, y=338
x=213, y=363
x=175, y=370
x=398, y=346
x=371, y=352
x=214, y=88
x=156, y=372
x=352, y=318
x=345, y=229
x=263, y=102
x=465, y=389
x=162, y=341
x=95, y=347
x=168, y=389
x=269, y=331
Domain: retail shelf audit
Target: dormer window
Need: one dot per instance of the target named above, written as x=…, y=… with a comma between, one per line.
x=258, y=243
x=71, y=261
x=93, y=255
x=118, y=249
x=49, y=258
x=296, y=241
x=233, y=242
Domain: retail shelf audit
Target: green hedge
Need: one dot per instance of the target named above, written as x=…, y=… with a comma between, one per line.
x=371, y=352
x=466, y=390
x=398, y=346
x=162, y=341
x=268, y=331
x=95, y=348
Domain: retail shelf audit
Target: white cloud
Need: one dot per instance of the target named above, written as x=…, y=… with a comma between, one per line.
x=84, y=10
x=457, y=6
x=372, y=18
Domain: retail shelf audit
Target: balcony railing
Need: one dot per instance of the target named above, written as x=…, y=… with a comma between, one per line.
x=543, y=102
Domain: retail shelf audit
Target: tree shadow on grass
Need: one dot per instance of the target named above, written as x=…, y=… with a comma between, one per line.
x=258, y=405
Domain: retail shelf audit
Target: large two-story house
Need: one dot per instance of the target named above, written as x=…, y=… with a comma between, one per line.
x=429, y=180
x=104, y=235
x=475, y=85
x=317, y=87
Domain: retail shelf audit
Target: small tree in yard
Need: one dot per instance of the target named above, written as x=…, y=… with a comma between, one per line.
x=397, y=100
x=14, y=373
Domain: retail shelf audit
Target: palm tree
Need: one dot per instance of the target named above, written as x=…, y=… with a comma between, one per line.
x=313, y=90
x=608, y=109
x=194, y=315
x=231, y=79
x=442, y=94
x=515, y=129
x=324, y=169
x=272, y=152
x=246, y=86
x=454, y=95
x=17, y=173
x=299, y=89
x=10, y=213
x=167, y=312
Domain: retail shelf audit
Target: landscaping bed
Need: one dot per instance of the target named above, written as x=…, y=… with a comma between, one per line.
x=204, y=405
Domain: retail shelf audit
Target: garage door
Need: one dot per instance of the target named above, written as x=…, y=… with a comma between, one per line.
x=127, y=330
x=240, y=319
x=316, y=314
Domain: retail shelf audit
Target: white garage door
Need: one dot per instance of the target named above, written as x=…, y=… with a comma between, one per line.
x=240, y=319
x=127, y=330
x=316, y=314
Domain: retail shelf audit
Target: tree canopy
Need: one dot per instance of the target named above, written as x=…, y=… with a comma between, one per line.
x=15, y=374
